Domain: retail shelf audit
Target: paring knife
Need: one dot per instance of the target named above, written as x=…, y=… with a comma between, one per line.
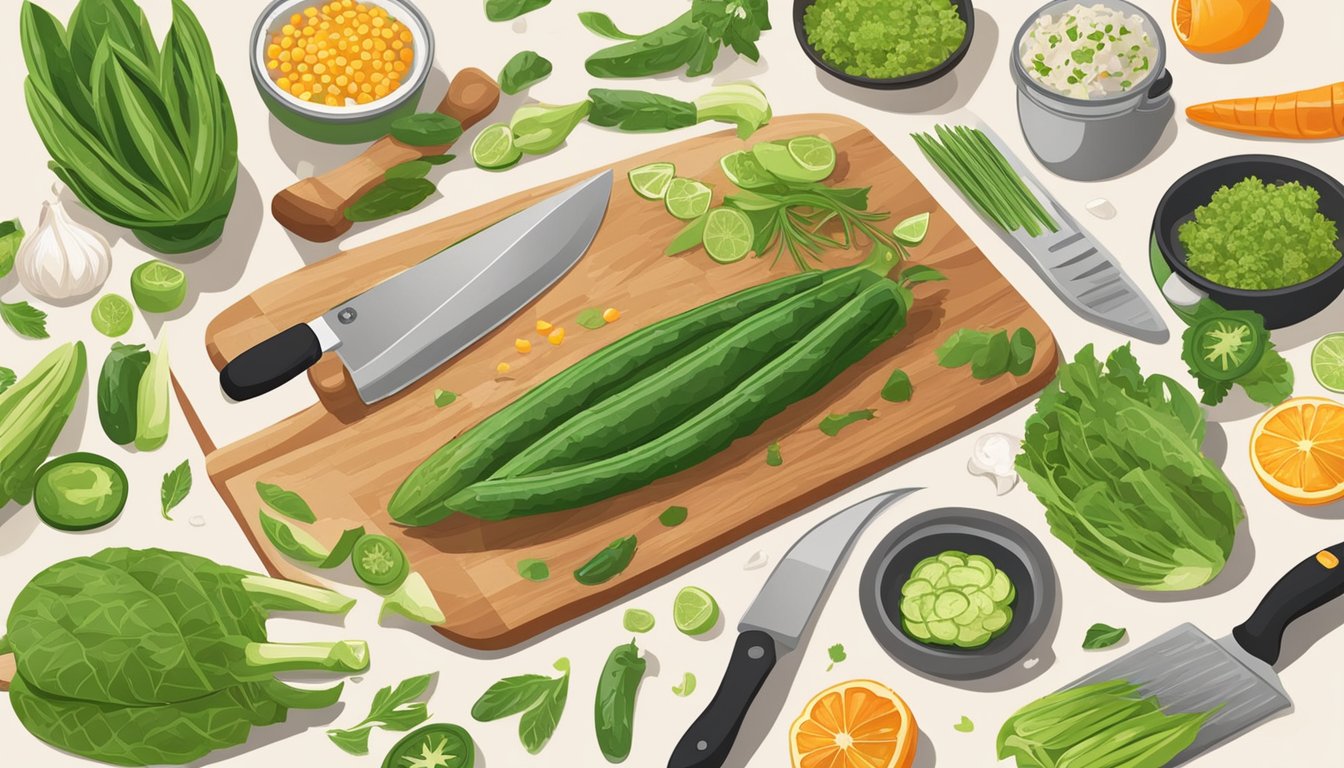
x=775, y=620
x=1077, y=267
x=407, y=326
x=1188, y=671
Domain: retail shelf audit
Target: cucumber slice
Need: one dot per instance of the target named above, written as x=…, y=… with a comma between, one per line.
x=968, y=616
x=997, y=619
x=952, y=557
x=931, y=571
x=918, y=630
x=982, y=604
x=966, y=576
x=1000, y=587
x=910, y=610
x=944, y=631
x=926, y=605
x=982, y=564
x=968, y=637
x=916, y=587
x=950, y=603
x=1012, y=594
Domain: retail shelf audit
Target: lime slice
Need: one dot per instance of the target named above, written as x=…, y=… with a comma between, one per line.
x=742, y=169
x=687, y=198
x=728, y=235
x=637, y=620
x=112, y=315
x=694, y=611
x=1327, y=362
x=778, y=161
x=493, y=148
x=158, y=287
x=913, y=230
x=815, y=154
x=651, y=181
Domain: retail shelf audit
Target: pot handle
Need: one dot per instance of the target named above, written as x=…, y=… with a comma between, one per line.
x=1181, y=293
x=1158, y=93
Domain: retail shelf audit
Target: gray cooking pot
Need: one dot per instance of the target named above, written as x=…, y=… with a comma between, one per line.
x=1091, y=139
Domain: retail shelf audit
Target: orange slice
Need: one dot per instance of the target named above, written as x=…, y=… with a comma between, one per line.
x=1218, y=26
x=1297, y=450
x=858, y=724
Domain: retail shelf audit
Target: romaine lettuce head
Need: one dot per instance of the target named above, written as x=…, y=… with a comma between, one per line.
x=1115, y=458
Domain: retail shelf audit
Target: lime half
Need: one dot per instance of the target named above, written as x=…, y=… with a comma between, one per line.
x=1327, y=362
x=913, y=230
x=494, y=149
x=637, y=620
x=651, y=181
x=687, y=198
x=157, y=286
x=112, y=315
x=815, y=154
x=728, y=235
x=694, y=611
x=745, y=171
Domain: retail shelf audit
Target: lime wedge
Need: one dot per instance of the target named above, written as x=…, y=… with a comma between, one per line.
x=728, y=235
x=687, y=198
x=651, y=181
x=778, y=161
x=637, y=620
x=493, y=148
x=742, y=169
x=112, y=315
x=913, y=230
x=1327, y=362
x=694, y=611
x=157, y=286
x=815, y=154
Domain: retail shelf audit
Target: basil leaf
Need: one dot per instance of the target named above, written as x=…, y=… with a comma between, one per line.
x=175, y=487
x=505, y=10
x=537, y=724
x=426, y=129
x=734, y=23
x=1102, y=636
x=526, y=68
x=591, y=318
x=534, y=570
x=355, y=740
x=411, y=169
x=540, y=699
x=898, y=388
x=673, y=516
x=393, y=709
x=287, y=503
x=11, y=236
x=390, y=198
x=602, y=25
x=7, y=379
x=25, y=319
x=832, y=424
x=1022, y=352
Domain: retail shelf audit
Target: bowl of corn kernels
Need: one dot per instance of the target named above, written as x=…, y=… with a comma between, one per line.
x=341, y=71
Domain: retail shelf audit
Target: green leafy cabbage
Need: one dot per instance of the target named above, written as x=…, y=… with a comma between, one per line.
x=1115, y=458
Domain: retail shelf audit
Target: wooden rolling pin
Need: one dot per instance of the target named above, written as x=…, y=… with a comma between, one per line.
x=314, y=208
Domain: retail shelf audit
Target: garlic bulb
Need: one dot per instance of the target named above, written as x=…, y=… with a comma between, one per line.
x=62, y=259
x=992, y=456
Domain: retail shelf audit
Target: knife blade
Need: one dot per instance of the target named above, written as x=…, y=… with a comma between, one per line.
x=1189, y=671
x=399, y=330
x=775, y=620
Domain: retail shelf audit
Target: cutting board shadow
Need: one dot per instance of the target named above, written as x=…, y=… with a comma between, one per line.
x=346, y=458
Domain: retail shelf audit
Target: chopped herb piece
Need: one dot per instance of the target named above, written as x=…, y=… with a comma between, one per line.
x=832, y=424
x=898, y=388
x=673, y=516
x=534, y=570
x=837, y=654
x=443, y=397
x=591, y=318
x=1102, y=636
x=773, y=456
x=965, y=726
x=175, y=487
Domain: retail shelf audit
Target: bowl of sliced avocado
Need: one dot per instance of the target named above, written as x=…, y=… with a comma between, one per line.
x=959, y=593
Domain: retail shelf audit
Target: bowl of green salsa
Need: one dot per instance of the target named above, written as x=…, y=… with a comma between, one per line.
x=885, y=44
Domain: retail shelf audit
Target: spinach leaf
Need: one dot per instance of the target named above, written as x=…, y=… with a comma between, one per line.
x=1021, y=352
x=601, y=24
x=1102, y=636
x=614, y=706
x=393, y=709
x=7, y=379
x=665, y=49
x=176, y=485
x=898, y=388
x=390, y=198
x=505, y=10
x=426, y=129
x=832, y=424
x=993, y=359
x=25, y=319
x=540, y=700
x=673, y=516
x=533, y=569
x=525, y=69
x=639, y=110
x=287, y=503
x=11, y=237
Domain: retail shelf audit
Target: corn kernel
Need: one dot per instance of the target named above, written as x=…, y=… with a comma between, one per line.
x=544, y=327
x=522, y=345
x=611, y=314
x=503, y=368
x=557, y=337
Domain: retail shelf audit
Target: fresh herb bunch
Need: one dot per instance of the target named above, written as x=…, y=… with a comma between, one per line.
x=692, y=40
x=1224, y=347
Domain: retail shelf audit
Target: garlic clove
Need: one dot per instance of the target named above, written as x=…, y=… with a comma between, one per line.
x=62, y=259
x=993, y=456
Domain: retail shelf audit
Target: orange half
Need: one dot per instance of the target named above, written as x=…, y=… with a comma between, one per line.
x=1297, y=450
x=1218, y=26
x=858, y=724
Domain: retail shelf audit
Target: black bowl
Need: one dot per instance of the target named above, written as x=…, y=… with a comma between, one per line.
x=964, y=9
x=1279, y=306
x=1012, y=549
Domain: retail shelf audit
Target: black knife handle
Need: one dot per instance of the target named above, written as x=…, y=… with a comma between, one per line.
x=1309, y=585
x=271, y=363
x=710, y=738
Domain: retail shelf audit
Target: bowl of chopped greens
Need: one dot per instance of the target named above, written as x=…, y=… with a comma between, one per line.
x=958, y=593
x=885, y=44
x=1256, y=232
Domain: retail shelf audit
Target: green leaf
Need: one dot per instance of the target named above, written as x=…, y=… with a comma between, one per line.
x=773, y=456
x=591, y=318
x=293, y=542
x=736, y=24
x=639, y=111
x=836, y=653
x=690, y=236
x=344, y=546
x=1271, y=381
x=666, y=49
x=533, y=569
x=25, y=319
x=540, y=700
x=443, y=397
x=921, y=274
x=993, y=360
x=962, y=347
x=426, y=129
x=1022, y=352
x=393, y=709
x=673, y=516
x=287, y=503
x=354, y=740
x=1102, y=636
x=411, y=169
x=898, y=388
x=525, y=69
x=11, y=237
x=687, y=686
x=965, y=726
x=175, y=487
x=602, y=25
x=7, y=379
x=505, y=10
x=391, y=197
x=832, y=424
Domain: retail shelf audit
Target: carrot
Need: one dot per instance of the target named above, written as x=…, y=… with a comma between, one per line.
x=1316, y=113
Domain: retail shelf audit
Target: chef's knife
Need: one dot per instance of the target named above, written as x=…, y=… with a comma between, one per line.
x=775, y=621
x=1188, y=671
x=404, y=327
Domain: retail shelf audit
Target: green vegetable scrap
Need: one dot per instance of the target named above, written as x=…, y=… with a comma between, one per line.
x=391, y=197
x=637, y=620
x=507, y=10
x=957, y=599
x=591, y=318
x=990, y=354
x=80, y=491
x=965, y=726
x=144, y=136
x=152, y=407
x=1102, y=636
x=11, y=237
x=426, y=129
x=687, y=686
x=1256, y=236
x=609, y=563
x=287, y=503
x=673, y=516
x=7, y=379
x=832, y=424
x=884, y=38
x=1115, y=458
x=692, y=40
x=1106, y=723
x=525, y=69
x=836, y=653
x=24, y=319
x=158, y=286
x=437, y=745
x=190, y=675
x=533, y=569
x=898, y=388
x=119, y=391
x=33, y=411
x=614, y=705
x=379, y=562
x=413, y=600
x=541, y=128
x=175, y=487
x=291, y=541
x=393, y=709
x=1224, y=347
x=985, y=177
x=443, y=397
x=773, y=456
x=539, y=699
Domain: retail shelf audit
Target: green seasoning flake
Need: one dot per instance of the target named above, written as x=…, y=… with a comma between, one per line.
x=673, y=516
x=965, y=726
x=884, y=38
x=832, y=424
x=591, y=318
x=898, y=388
x=1257, y=236
x=1102, y=636
x=534, y=570
x=443, y=397
x=773, y=457
x=836, y=653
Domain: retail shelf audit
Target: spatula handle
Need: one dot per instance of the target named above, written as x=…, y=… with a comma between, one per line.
x=1309, y=585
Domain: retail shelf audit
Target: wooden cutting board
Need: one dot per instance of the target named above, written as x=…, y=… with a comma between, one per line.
x=346, y=459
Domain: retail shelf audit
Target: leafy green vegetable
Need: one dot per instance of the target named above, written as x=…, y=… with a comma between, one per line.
x=147, y=657
x=983, y=175
x=591, y=318
x=1222, y=348
x=673, y=516
x=614, y=705
x=1115, y=458
x=541, y=128
x=443, y=397
x=7, y=379
x=533, y=569
x=11, y=237
x=119, y=391
x=525, y=69
x=1106, y=723
x=836, y=653
x=391, y=197
x=692, y=40
x=152, y=408
x=426, y=129
x=393, y=709
x=287, y=503
x=687, y=686
x=26, y=320
x=990, y=354
x=539, y=699
x=965, y=726
x=832, y=424
x=33, y=412
x=506, y=10
x=601, y=24
x=610, y=562
x=898, y=388
x=175, y=487
x=773, y=456
x=144, y=136
x=1102, y=636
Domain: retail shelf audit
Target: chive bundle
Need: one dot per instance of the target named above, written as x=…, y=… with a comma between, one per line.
x=980, y=171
